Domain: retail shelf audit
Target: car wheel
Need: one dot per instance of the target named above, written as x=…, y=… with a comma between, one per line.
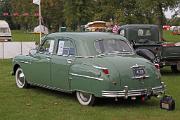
x=174, y=68
x=20, y=79
x=85, y=98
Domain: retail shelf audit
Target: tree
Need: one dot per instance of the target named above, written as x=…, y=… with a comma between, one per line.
x=52, y=13
x=156, y=8
x=74, y=13
x=5, y=8
x=108, y=10
x=77, y=12
x=25, y=10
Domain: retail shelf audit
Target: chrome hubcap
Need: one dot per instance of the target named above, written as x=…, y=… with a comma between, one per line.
x=21, y=78
x=84, y=96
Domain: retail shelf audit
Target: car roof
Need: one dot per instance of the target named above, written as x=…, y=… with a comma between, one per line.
x=86, y=36
x=85, y=40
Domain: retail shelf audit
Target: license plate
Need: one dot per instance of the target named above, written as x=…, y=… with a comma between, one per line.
x=139, y=71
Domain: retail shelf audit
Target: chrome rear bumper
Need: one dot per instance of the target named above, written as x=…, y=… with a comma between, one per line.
x=132, y=93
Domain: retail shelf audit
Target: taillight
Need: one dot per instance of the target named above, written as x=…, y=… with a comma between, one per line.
x=157, y=66
x=105, y=71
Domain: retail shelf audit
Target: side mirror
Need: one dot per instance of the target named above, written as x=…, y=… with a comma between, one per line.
x=32, y=52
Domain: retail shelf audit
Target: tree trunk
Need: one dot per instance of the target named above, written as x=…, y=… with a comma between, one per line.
x=160, y=18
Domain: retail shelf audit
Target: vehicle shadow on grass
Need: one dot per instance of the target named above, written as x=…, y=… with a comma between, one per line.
x=127, y=103
x=54, y=93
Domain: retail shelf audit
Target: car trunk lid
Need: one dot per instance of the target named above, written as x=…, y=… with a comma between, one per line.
x=131, y=71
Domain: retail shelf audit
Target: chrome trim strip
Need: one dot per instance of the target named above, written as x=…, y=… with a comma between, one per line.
x=50, y=88
x=98, y=67
x=85, y=76
x=130, y=93
x=21, y=61
x=26, y=62
x=84, y=56
x=140, y=77
x=137, y=66
x=159, y=87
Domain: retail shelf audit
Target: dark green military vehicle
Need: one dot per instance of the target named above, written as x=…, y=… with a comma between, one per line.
x=147, y=42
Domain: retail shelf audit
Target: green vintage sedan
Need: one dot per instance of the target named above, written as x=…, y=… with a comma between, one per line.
x=89, y=64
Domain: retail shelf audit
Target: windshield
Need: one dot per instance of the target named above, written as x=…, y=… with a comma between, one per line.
x=144, y=35
x=112, y=46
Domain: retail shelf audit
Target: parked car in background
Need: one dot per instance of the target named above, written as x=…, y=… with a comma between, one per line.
x=90, y=64
x=171, y=28
x=176, y=30
x=147, y=41
x=166, y=27
x=96, y=26
x=5, y=31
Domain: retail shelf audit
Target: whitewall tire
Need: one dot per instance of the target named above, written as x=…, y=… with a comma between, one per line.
x=85, y=98
x=20, y=79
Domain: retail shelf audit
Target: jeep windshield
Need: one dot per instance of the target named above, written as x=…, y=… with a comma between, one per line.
x=144, y=35
x=113, y=46
x=4, y=30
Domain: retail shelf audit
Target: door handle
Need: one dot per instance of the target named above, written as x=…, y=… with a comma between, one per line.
x=69, y=61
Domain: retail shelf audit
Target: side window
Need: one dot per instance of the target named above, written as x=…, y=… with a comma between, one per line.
x=65, y=48
x=140, y=32
x=47, y=47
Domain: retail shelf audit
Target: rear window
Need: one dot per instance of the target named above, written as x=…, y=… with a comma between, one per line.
x=112, y=45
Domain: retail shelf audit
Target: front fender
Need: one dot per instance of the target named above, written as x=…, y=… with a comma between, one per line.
x=15, y=65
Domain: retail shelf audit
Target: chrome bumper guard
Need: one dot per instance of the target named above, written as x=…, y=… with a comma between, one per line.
x=132, y=93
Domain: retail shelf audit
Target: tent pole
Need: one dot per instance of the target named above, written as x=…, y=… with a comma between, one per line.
x=40, y=34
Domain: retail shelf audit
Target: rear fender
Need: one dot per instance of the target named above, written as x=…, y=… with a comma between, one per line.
x=84, y=77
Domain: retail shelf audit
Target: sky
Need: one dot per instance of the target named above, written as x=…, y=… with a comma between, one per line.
x=169, y=13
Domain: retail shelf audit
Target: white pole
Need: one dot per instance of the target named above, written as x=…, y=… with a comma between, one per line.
x=40, y=17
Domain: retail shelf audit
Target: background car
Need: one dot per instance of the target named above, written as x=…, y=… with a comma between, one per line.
x=147, y=41
x=5, y=32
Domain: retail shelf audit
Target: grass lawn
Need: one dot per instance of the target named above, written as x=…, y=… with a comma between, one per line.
x=41, y=104
x=19, y=35
x=168, y=36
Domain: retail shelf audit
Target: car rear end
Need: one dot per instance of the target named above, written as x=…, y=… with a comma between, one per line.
x=136, y=78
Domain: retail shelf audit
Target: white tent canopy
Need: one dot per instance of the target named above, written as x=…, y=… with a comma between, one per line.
x=41, y=28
